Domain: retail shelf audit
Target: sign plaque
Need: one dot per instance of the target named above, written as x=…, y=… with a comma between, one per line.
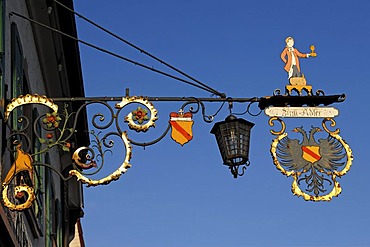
x=302, y=112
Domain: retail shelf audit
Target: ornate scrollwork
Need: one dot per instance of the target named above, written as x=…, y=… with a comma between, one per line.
x=48, y=130
x=271, y=123
x=18, y=193
x=19, y=179
x=29, y=99
x=316, y=163
x=139, y=115
x=90, y=162
x=200, y=106
x=235, y=169
x=55, y=129
x=20, y=168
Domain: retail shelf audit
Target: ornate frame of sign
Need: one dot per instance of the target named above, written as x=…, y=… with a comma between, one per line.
x=316, y=163
x=309, y=160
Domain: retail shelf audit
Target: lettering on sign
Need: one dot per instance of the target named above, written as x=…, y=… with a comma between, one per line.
x=302, y=112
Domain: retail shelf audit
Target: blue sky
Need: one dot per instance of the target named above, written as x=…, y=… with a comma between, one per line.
x=184, y=196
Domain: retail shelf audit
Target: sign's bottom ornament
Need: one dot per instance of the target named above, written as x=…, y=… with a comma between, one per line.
x=23, y=191
x=313, y=162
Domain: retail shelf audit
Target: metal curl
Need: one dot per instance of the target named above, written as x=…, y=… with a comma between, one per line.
x=211, y=118
x=235, y=169
x=86, y=161
x=115, y=175
x=23, y=120
x=144, y=144
x=276, y=92
x=109, y=143
x=129, y=118
x=320, y=93
x=99, y=117
x=208, y=118
x=16, y=138
x=18, y=189
x=191, y=109
x=38, y=123
x=85, y=157
x=200, y=105
x=271, y=123
x=68, y=116
x=249, y=112
x=335, y=132
x=20, y=170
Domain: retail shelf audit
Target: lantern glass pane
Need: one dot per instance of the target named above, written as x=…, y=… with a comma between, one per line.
x=236, y=136
x=233, y=141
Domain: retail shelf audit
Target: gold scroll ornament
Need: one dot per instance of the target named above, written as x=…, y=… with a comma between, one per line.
x=23, y=161
x=132, y=125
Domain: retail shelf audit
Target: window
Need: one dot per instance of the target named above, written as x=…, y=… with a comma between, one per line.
x=17, y=63
x=2, y=86
x=38, y=174
x=17, y=73
x=49, y=207
x=18, y=87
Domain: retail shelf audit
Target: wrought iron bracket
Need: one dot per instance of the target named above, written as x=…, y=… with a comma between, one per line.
x=54, y=127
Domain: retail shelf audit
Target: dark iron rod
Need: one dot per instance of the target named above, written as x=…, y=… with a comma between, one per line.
x=141, y=50
x=159, y=99
x=119, y=56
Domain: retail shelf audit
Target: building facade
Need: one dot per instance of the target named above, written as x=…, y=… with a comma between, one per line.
x=36, y=60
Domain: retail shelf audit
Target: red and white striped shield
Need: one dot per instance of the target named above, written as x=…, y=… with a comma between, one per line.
x=181, y=127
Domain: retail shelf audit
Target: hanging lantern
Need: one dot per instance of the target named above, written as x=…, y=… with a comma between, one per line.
x=233, y=138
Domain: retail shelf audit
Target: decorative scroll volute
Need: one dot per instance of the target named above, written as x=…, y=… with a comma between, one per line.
x=23, y=161
x=139, y=114
x=29, y=99
x=139, y=120
x=106, y=180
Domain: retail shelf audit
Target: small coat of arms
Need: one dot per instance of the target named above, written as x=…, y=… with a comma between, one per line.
x=181, y=124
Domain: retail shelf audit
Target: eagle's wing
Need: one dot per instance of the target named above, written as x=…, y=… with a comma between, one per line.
x=332, y=153
x=290, y=153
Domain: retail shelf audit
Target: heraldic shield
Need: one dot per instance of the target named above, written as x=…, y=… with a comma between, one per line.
x=181, y=124
x=312, y=162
